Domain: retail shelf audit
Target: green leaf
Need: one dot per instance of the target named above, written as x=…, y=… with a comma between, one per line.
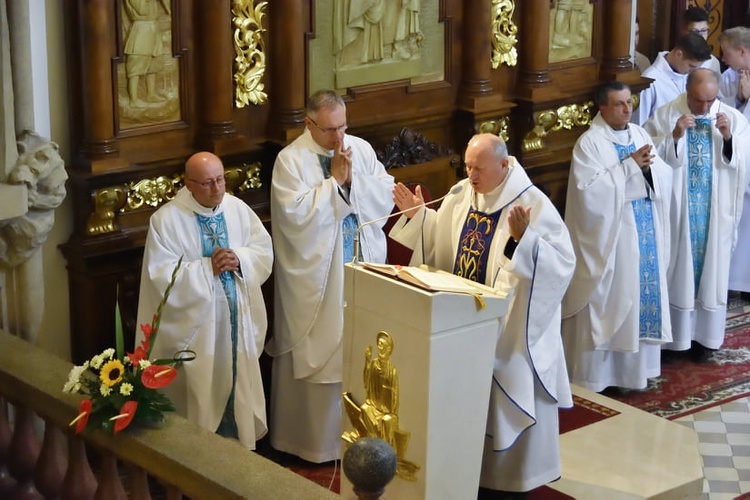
x=157, y=316
x=119, y=341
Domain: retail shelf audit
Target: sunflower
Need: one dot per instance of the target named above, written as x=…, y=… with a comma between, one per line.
x=111, y=372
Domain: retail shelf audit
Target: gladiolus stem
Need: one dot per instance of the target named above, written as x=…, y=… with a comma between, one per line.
x=121, y=415
x=79, y=417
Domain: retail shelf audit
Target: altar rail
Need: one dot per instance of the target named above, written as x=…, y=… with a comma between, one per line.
x=179, y=459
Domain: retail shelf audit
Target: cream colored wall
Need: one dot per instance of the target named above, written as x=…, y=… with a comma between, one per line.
x=55, y=330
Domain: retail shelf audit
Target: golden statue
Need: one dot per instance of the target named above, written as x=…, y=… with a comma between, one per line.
x=378, y=415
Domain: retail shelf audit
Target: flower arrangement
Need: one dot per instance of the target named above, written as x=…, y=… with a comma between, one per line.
x=121, y=389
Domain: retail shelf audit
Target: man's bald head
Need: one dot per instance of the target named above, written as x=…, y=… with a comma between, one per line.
x=204, y=178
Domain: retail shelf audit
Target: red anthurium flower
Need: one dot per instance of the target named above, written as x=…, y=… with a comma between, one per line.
x=84, y=410
x=138, y=355
x=127, y=412
x=158, y=376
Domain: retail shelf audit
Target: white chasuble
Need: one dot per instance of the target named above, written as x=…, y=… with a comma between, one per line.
x=198, y=315
x=530, y=370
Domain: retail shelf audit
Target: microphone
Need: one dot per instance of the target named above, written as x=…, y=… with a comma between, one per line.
x=454, y=190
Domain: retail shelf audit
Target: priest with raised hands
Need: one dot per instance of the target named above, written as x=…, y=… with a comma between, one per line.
x=706, y=143
x=501, y=230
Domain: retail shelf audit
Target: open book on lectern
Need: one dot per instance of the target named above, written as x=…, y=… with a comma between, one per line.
x=434, y=280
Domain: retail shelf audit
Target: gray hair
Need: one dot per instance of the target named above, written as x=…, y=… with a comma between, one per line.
x=324, y=99
x=697, y=76
x=736, y=37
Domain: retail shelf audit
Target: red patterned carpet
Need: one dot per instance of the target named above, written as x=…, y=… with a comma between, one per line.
x=685, y=386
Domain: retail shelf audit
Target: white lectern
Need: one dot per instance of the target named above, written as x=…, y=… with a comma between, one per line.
x=443, y=350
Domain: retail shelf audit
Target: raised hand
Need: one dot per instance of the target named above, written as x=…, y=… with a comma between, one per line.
x=683, y=123
x=405, y=199
x=643, y=157
x=724, y=126
x=341, y=164
x=518, y=220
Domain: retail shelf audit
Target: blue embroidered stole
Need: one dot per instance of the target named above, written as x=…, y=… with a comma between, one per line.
x=214, y=235
x=473, y=249
x=349, y=224
x=700, y=166
x=648, y=265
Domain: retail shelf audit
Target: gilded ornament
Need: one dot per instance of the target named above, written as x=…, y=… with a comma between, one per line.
x=503, y=34
x=249, y=49
x=565, y=117
x=377, y=416
x=107, y=201
x=244, y=177
x=151, y=192
x=497, y=127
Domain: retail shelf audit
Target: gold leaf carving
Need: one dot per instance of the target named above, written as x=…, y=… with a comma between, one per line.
x=250, y=52
x=107, y=201
x=497, y=127
x=552, y=120
x=152, y=192
x=503, y=34
x=155, y=192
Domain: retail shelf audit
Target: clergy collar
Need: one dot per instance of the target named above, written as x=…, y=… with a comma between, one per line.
x=185, y=197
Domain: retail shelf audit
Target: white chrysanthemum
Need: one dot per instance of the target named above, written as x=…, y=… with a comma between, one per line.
x=126, y=389
x=126, y=360
x=144, y=363
x=108, y=353
x=74, y=379
x=96, y=362
x=105, y=390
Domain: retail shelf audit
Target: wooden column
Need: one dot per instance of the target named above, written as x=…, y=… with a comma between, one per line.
x=616, y=56
x=213, y=36
x=534, y=43
x=96, y=42
x=287, y=48
x=476, y=78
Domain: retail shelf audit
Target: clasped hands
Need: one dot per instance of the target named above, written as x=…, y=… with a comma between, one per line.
x=688, y=121
x=224, y=259
x=743, y=87
x=341, y=164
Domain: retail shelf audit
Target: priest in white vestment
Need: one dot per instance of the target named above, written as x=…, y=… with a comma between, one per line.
x=215, y=308
x=706, y=144
x=324, y=185
x=616, y=309
x=501, y=230
x=735, y=91
x=669, y=72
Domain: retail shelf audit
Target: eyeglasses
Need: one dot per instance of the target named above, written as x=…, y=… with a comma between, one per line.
x=329, y=130
x=219, y=181
x=703, y=31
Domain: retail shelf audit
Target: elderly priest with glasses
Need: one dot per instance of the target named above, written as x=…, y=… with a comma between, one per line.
x=216, y=307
